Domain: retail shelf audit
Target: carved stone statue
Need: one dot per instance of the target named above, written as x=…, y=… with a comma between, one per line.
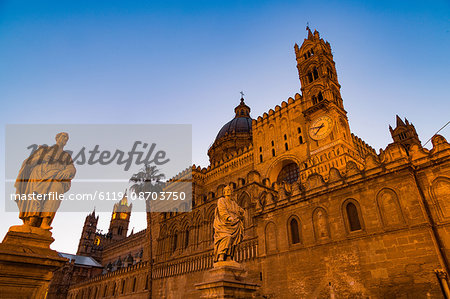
x=228, y=227
x=44, y=176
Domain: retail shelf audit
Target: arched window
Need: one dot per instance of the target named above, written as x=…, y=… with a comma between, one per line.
x=289, y=173
x=354, y=223
x=186, y=239
x=134, y=285
x=174, y=242
x=294, y=231
x=320, y=96
x=315, y=73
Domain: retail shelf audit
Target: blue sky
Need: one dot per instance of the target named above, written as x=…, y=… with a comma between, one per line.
x=186, y=62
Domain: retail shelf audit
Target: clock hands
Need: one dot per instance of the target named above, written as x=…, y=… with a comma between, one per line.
x=318, y=128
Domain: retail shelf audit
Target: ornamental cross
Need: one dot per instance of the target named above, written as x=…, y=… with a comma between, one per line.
x=242, y=94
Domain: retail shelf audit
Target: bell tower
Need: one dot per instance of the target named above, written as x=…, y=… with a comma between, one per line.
x=322, y=104
x=86, y=244
x=317, y=72
x=120, y=219
x=330, y=142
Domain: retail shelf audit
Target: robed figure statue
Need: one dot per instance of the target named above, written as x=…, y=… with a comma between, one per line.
x=228, y=227
x=43, y=178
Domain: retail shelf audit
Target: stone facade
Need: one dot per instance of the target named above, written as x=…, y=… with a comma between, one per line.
x=326, y=216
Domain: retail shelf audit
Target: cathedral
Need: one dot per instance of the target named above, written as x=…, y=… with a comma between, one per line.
x=326, y=216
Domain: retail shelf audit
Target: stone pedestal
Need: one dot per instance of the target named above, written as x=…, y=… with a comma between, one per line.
x=226, y=280
x=27, y=262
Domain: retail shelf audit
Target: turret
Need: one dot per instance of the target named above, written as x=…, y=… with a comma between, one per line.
x=120, y=219
x=404, y=133
x=86, y=243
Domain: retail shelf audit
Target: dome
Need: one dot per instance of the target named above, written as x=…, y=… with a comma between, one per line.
x=237, y=125
x=235, y=134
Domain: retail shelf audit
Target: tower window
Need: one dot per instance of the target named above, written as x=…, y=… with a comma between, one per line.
x=260, y=149
x=314, y=100
x=315, y=73
x=300, y=139
x=273, y=143
x=286, y=146
x=310, y=77
x=299, y=130
x=285, y=137
x=320, y=96
x=273, y=152
x=260, y=158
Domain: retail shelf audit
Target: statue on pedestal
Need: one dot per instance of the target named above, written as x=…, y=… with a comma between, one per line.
x=44, y=176
x=227, y=278
x=228, y=227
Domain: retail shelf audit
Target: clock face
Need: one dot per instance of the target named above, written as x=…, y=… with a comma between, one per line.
x=321, y=127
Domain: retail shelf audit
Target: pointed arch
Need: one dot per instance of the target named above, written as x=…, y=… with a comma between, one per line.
x=352, y=215
x=389, y=208
x=441, y=196
x=271, y=237
x=294, y=230
x=244, y=201
x=209, y=220
x=321, y=224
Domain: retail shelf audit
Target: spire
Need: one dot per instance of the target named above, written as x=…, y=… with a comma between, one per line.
x=310, y=35
x=399, y=121
x=316, y=33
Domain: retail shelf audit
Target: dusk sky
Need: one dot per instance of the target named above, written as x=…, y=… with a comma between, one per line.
x=176, y=62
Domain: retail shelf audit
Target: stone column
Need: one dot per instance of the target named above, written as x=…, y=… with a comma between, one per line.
x=27, y=263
